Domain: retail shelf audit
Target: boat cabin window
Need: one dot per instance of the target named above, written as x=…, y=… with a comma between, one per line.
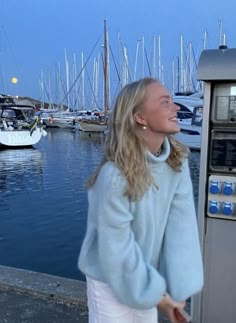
x=184, y=113
x=197, y=116
x=7, y=113
x=28, y=114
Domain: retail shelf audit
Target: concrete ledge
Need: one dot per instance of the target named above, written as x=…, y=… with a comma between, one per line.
x=44, y=285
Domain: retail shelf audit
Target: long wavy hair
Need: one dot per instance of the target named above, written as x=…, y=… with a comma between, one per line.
x=125, y=146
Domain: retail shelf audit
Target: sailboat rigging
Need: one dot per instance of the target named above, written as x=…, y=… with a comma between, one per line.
x=99, y=123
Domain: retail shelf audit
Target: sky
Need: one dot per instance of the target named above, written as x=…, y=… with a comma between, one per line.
x=37, y=35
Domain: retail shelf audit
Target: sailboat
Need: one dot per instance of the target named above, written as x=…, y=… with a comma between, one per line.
x=100, y=123
x=18, y=125
x=93, y=125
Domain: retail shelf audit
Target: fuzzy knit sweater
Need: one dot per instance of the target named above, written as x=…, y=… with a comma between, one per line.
x=144, y=248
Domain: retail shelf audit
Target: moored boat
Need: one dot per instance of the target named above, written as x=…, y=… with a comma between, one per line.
x=93, y=125
x=18, y=126
x=190, y=135
x=100, y=123
x=187, y=105
x=190, y=120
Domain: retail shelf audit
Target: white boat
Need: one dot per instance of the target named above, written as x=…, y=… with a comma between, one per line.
x=46, y=115
x=66, y=122
x=190, y=135
x=187, y=106
x=18, y=126
x=190, y=120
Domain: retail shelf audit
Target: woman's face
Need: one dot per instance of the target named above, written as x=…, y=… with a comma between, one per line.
x=160, y=113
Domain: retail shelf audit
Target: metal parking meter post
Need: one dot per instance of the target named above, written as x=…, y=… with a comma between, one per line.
x=217, y=188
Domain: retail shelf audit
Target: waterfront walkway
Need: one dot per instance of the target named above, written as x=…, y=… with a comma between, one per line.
x=30, y=297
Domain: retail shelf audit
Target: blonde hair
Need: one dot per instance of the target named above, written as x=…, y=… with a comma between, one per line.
x=124, y=143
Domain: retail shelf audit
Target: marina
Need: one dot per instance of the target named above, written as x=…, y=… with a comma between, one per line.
x=43, y=203
x=51, y=141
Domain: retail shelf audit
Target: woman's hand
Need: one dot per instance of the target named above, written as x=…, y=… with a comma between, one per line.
x=171, y=308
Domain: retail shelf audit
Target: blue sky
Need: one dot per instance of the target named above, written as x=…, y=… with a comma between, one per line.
x=34, y=34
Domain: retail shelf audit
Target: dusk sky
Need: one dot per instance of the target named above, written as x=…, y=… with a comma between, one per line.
x=35, y=34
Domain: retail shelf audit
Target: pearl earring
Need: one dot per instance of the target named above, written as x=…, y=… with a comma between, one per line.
x=144, y=127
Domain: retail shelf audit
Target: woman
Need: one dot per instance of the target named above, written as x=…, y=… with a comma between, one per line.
x=141, y=250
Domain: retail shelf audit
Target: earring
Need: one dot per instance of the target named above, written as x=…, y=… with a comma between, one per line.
x=144, y=127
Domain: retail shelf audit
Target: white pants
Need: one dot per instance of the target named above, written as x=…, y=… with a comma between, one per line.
x=105, y=308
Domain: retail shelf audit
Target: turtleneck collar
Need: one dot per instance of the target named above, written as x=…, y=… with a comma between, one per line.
x=164, y=153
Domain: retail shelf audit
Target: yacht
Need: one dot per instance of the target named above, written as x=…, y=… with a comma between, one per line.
x=18, y=126
x=190, y=120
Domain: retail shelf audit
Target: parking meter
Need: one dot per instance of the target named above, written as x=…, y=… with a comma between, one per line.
x=217, y=188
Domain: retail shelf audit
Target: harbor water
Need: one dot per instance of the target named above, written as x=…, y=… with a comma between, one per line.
x=43, y=202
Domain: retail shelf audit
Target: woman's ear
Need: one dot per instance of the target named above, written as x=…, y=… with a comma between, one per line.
x=139, y=118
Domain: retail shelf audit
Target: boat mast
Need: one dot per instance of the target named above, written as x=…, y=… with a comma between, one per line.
x=67, y=79
x=159, y=58
x=154, y=57
x=143, y=50
x=42, y=90
x=182, y=87
x=105, y=70
x=82, y=89
x=136, y=59
x=173, y=77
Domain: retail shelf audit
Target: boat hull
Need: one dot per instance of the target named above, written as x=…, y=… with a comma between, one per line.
x=21, y=138
x=92, y=127
x=190, y=136
x=68, y=123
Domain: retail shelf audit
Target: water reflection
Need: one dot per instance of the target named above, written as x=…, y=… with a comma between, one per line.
x=43, y=202
x=21, y=169
x=96, y=137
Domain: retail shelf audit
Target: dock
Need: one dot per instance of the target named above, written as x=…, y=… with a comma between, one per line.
x=31, y=297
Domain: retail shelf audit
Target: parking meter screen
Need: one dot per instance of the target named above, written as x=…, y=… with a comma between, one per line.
x=223, y=153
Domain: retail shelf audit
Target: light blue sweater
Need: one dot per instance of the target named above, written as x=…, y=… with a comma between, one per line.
x=144, y=248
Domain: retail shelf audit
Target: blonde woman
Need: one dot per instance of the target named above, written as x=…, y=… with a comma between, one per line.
x=141, y=250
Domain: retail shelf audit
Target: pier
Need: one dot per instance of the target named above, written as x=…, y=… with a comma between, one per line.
x=31, y=297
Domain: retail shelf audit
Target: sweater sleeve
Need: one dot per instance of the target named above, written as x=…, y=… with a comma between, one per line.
x=133, y=281
x=181, y=260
